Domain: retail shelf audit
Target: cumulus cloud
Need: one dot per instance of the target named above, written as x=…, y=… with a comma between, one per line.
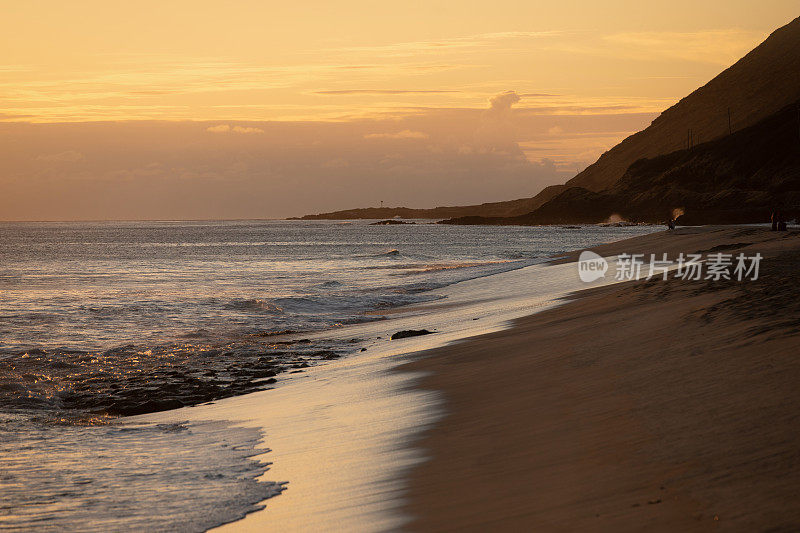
x=224, y=128
x=69, y=156
x=405, y=134
x=504, y=100
x=496, y=130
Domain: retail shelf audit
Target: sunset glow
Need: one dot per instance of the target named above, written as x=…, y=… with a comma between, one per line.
x=364, y=74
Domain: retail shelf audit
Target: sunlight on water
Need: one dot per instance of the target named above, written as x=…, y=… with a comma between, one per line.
x=127, y=318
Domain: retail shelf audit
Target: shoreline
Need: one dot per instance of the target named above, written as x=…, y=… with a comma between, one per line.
x=342, y=434
x=365, y=416
x=590, y=416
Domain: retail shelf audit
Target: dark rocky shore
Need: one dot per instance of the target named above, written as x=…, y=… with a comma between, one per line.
x=130, y=380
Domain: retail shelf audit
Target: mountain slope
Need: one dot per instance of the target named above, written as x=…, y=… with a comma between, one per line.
x=735, y=179
x=494, y=209
x=758, y=85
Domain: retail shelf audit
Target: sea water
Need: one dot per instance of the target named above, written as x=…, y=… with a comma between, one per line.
x=127, y=317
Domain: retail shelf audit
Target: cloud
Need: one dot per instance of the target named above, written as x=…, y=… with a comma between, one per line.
x=382, y=91
x=504, y=101
x=336, y=163
x=69, y=156
x=14, y=116
x=496, y=131
x=292, y=168
x=224, y=128
x=241, y=129
x=465, y=42
x=405, y=134
x=721, y=47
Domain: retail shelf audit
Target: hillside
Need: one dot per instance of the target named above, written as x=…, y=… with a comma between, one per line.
x=758, y=85
x=739, y=178
x=495, y=209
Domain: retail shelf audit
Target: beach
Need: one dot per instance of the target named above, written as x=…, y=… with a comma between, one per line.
x=665, y=405
x=415, y=267
x=537, y=402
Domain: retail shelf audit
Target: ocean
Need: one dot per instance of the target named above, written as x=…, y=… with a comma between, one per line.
x=104, y=319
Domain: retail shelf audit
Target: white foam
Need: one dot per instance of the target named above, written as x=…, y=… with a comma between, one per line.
x=342, y=434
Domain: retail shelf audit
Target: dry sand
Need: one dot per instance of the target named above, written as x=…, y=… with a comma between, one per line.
x=651, y=405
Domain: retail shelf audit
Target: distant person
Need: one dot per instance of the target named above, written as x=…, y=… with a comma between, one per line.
x=671, y=223
x=778, y=223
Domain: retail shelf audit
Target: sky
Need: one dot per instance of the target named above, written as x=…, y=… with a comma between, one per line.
x=199, y=110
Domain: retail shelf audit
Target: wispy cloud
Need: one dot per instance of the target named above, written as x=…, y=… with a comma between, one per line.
x=390, y=79
x=463, y=42
x=405, y=134
x=384, y=91
x=68, y=156
x=721, y=46
x=225, y=128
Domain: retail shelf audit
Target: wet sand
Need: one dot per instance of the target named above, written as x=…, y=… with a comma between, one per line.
x=649, y=405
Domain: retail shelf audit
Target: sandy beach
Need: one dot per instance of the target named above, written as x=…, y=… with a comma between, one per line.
x=648, y=405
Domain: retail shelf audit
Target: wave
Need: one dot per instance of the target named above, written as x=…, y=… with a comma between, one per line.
x=252, y=304
x=275, y=333
x=327, y=284
x=394, y=252
x=452, y=266
x=83, y=469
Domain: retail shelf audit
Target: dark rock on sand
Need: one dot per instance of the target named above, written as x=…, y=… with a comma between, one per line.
x=410, y=333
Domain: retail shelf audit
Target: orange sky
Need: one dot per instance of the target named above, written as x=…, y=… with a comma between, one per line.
x=357, y=84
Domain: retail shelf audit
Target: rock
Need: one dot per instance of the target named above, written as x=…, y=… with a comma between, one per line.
x=410, y=333
x=150, y=406
x=325, y=354
x=389, y=222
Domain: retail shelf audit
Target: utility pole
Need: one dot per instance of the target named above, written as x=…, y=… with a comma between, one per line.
x=730, y=129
